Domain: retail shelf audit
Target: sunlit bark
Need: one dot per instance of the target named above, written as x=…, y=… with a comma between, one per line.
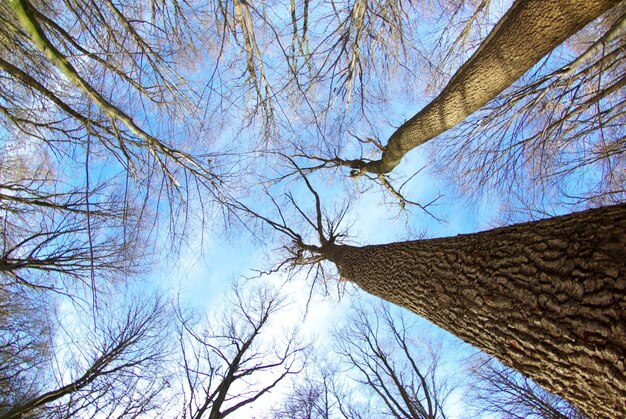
x=547, y=298
x=528, y=31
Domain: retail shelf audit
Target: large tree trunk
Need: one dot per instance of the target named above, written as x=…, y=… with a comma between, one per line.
x=547, y=298
x=526, y=33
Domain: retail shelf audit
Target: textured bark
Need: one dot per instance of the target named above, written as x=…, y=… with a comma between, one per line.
x=526, y=33
x=547, y=298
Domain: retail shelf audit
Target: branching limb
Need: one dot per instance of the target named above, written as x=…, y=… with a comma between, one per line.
x=26, y=15
x=403, y=201
x=357, y=172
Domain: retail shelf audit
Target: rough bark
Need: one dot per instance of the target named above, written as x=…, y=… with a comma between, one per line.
x=526, y=33
x=547, y=298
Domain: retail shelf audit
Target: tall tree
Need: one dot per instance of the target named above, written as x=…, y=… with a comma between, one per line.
x=497, y=389
x=393, y=363
x=516, y=43
x=555, y=137
x=227, y=364
x=114, y=368
x=545, y=298
x=496, y=131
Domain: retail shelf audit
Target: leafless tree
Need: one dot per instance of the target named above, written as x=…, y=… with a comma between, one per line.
x=310, y=397
x=485, y=75
x=556, y=134
x=58, y=235
x=96, y=94
x=388, y=358
x=377, y=363
x=466, y=284
x=235, y=358
x=115, y=369
x=520, y=131
x=322, y=392
x=25, y=345
x=62, y=62
x=500, y=390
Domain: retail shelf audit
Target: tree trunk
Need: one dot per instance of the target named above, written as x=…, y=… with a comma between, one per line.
x=526, y=33
x=547, y=298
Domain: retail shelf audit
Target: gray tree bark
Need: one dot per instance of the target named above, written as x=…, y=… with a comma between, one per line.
x=547, y=298
x=526, y=33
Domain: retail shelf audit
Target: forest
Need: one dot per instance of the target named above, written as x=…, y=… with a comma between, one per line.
x=313, y=209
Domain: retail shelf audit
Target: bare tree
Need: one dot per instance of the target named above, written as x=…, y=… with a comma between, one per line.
x=95, y=95
x=58, y=235
x=555, y=135
x=515, y=44
x=229, y=363
x=309, y=398
x=322, y=392
x=51, y=48
x=543, y=133
x=115, y=369
x=377, y=363
x=391, y=362
x=429, y=276
x=497, y=389
x=554, y=271
x=25, y=345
